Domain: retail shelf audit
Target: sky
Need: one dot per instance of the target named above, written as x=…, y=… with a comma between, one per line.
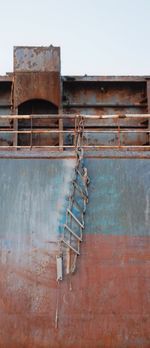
x=97, y=37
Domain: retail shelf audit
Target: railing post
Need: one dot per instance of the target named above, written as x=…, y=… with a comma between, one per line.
x=148, y=107
x=15, y=126
x=61, y=136
x=31, y=126
x=75, y=132
x=119, y=140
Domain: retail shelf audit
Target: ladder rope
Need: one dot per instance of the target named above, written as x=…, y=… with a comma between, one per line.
x=72, y=234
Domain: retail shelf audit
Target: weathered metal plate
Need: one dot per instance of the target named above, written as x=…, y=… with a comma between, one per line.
x=109, y=302
x=37, y=74
x=104, y=97
x=45, y=86
x=119, y=197
x=29, y=59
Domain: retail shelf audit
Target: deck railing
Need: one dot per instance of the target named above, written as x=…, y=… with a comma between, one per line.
x=97, y=128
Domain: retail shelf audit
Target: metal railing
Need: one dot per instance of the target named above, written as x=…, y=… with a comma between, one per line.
x=121, y=125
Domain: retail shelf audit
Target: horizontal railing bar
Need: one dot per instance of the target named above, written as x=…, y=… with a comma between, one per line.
x=73, y=116
x=115, y=146
x=74, y=147
x=74, y=131
x=36, y=131
x=121, y=130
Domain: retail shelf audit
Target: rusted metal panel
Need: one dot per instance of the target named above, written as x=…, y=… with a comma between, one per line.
x=120, y=203
x=104, y=153
x=5, y=94
x=105, y=97
x=41, y=59
x=115, y=139
x=36, y=74
x=108, y=306
x=5, y=109
x=105, y=303
x=100, y=78
x=20, y=182
x=40, y=85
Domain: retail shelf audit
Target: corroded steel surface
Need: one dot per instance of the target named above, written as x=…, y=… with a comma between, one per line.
x=119, y=196
x=107, y=78
x=106, y=302
x=45, y=86
x=36, y=74
x=49, y=130
x=33, y=195
x=29, y=59
x=104, y=97
x=108, y=306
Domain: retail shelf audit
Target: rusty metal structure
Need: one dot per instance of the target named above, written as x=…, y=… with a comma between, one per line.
x=66, y=141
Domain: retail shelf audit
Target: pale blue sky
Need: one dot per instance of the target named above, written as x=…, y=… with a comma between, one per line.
x=96, y=37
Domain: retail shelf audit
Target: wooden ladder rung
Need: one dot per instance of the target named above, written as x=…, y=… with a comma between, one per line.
x=70, y=246
x=75, y=218
x=73, y=233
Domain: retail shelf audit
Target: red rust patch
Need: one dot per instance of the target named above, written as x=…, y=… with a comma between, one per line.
x=108, y=305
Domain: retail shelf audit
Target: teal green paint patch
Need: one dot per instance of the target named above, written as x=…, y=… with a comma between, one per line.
x=33, y=200
x=119, y=197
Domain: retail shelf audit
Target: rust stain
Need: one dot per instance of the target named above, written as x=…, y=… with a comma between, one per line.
x=107, y=307
x=40, y=85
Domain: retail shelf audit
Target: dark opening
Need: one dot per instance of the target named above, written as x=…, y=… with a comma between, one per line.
x=38, y=107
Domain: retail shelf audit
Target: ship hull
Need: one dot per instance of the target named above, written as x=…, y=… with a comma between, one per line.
x=106, y=302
